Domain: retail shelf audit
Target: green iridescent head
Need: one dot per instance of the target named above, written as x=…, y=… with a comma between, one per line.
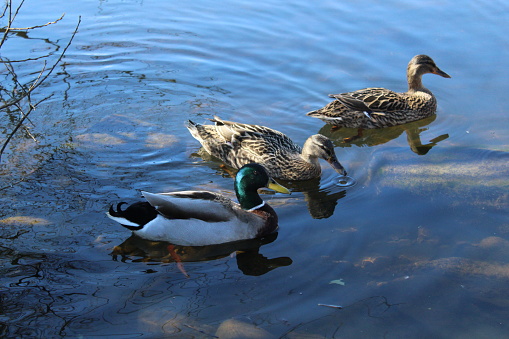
x=248, y=180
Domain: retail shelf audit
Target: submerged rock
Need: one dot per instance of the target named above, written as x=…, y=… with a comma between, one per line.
x=479, y=177
x=236, y=329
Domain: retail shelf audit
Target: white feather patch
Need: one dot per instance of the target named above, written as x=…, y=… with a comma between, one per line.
x=122, y=221
x=329, y=118
x=194, y=232
x=257, y=207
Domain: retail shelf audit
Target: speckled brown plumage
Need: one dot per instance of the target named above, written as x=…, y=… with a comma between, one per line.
x=380, y=107
x=238, y=144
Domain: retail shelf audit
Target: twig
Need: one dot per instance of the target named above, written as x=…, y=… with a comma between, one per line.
x=61, y=55
x=58, y=60
x=10, y=21
x=26, y=94
x=5, y=11
x=24, y=60
x=14, y=76
x=36, y=83
x=20, y=123
x=38, y=26
x=23, y=91
x=27, y=131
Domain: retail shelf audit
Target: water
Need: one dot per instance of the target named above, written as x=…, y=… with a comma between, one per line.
x=418, y=247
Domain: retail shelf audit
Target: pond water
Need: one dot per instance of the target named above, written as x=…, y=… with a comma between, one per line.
x=418, y=247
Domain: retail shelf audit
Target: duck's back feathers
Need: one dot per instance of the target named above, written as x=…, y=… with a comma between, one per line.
x=252, y=140
x=232, y=131
x=373, y=100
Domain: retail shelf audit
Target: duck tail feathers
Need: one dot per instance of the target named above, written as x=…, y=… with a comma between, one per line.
x=195, y=130
x=191, y=126
x=133, y=217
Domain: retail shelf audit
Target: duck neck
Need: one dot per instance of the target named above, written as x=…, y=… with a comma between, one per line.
x=308, y=155
x=414, y=81
x=248, y=199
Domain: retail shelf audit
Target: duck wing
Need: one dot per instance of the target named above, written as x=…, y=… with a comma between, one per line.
x=264, y=145
x=255, y=138
x=203, y=205
x=373, y=100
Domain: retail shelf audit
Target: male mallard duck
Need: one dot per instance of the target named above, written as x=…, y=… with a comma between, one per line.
x=380, y=107
x=238, y=144
x=198, y=218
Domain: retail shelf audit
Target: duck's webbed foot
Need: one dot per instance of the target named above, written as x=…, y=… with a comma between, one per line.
x=355, y=137
x=178, y=261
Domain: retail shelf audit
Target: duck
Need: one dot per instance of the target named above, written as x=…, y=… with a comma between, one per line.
x=201, y=218
x=381, y=107
x=237, y=144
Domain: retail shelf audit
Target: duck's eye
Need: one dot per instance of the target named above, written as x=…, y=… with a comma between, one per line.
x=325, y=149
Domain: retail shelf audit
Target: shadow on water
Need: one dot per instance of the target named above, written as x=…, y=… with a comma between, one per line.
x=374, y=137
x=247, y=252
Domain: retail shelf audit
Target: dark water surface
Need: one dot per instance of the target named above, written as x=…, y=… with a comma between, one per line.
x=418, y=248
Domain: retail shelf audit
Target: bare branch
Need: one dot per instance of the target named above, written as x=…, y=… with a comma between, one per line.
x=20, y=91
x=20, y=122
x=41, y=80
x=10, y=21
x=38, y=79
x=8, y=6
x=5, y=10
x=39, y=26
x=24, y=60
x=60, y=57
x=13, y=132
x=17, y=9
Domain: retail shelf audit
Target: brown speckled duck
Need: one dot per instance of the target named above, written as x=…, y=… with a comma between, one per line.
x=380, y=107
x=237, y=144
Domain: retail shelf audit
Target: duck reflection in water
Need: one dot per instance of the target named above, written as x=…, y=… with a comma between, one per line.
x=342, y=137
x=321, y=195
x=246, y=252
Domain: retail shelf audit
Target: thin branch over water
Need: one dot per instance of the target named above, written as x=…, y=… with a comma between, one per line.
x=19, y=97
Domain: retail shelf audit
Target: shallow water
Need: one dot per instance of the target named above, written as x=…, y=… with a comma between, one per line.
x=418, y=247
